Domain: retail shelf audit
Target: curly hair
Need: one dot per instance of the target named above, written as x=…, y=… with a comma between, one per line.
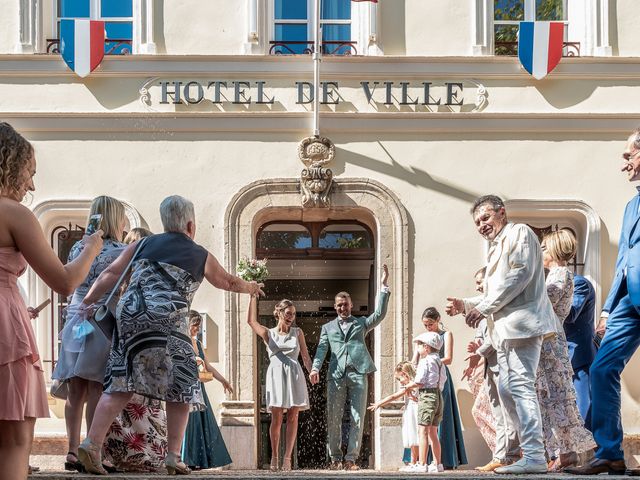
x=15, y=153
x=281, y=307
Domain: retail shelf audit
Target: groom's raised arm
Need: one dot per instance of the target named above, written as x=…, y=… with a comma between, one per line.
x=376, y=317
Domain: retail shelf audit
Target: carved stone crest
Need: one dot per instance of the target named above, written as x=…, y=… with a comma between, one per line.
x=316, y=180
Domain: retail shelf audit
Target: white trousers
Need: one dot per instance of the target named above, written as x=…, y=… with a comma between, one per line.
x=507, y=445
x=518, y=364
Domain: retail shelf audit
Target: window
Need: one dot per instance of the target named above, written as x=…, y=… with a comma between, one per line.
x=586, y=25
x=507, y=14
x=284, y=236
x=347, y=27
x=345, y=236
x=117, y=15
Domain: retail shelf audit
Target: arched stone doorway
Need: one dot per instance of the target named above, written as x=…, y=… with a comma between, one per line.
x=363, y=199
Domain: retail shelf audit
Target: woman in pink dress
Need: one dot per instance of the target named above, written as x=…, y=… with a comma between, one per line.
x=23, y=396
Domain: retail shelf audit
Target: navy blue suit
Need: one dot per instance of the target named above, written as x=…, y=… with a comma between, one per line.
x=621, y=339
x=579, y=329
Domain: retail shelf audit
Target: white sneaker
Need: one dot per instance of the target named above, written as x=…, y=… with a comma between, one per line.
x=522, y=466
x=418, y=468
x=406, y=468
x=433, y=468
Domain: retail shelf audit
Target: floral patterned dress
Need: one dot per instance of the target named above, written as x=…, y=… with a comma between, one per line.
x=481, y=409
x=563, y=427
x=137, y=438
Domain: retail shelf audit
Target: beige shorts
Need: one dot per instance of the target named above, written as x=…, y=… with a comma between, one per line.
x=429, y=407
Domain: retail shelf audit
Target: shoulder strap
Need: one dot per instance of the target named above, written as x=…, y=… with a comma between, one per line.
x=116, y=287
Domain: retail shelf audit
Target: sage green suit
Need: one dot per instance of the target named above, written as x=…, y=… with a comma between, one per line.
x=349, y=364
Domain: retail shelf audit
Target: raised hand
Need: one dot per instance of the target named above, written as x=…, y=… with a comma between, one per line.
x=473, y=346
x=454, y=306
x=94, y=242
x=473, y=360
x=473, y=318
x=385, y=275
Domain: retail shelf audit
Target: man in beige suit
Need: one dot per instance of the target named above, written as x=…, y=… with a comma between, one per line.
x=519, y=314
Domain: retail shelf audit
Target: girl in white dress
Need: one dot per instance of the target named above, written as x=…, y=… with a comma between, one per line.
x=286, y=387
x=405, y=373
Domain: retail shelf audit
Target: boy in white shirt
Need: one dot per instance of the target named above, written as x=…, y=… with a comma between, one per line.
x=429, y=381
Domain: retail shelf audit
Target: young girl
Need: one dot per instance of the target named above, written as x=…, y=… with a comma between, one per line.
x=405, y=373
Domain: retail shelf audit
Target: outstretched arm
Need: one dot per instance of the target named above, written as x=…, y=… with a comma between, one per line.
x=386, y=400
x=220, y=278
x=30, y=240
x=383, y=300
x=216, y=374
x=321, y=352
x=252, y=320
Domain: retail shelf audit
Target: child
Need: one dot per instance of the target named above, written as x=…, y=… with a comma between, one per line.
x=429, y=380
x=404, y=373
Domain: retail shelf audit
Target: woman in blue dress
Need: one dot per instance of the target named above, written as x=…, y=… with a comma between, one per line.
x=203, y=445
x=450, y=429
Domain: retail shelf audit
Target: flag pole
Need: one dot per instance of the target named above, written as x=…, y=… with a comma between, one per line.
x=316, y=69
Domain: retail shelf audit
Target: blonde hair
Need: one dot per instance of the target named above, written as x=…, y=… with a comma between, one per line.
x=136, y=234
x=281, y=307
x=113, y=216
x=407, y=368
x=15, y=153
x=561, y=245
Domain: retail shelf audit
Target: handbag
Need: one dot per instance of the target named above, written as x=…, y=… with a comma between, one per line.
x=59, y=389
x=204, y=375
x=103, y=317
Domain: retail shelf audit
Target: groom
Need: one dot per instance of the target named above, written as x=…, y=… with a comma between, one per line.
x=349, y=365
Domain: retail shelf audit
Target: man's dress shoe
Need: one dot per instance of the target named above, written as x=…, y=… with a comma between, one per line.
x=597, y=465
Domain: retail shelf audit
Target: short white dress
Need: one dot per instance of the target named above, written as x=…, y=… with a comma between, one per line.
x=410, y=423
x=286, y=385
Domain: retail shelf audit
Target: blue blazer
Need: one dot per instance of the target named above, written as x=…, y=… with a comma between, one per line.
x=628, y=257
x=579, y=325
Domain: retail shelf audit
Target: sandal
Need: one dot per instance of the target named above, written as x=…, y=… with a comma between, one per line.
x=274, y=464
x=71, y=465
x=174, y=465
x=89, y=456
x=286, y=464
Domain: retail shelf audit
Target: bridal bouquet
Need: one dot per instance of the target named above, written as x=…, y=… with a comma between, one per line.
x=252, y=270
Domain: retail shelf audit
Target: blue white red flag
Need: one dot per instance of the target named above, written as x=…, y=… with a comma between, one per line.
x=82, y=44
x=540, y=46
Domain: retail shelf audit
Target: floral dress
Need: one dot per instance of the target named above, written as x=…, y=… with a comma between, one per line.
x=563, y=427
x=137, y=438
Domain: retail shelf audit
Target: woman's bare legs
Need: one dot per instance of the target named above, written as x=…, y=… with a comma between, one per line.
x=76, y=397
x=177, y=419
x=274, y=435
x=94, y=392
x=291, y=435
x=15, y=445
x=109, y=406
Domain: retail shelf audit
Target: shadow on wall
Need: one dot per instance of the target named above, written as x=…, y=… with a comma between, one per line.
x=158, y=27
x=391, y=16
x=411, y=175
x=480, y=454
x=213, y=337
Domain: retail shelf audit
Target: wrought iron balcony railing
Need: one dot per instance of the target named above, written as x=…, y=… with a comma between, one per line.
x=510, y=49
x=306, y=48
x=115, y=46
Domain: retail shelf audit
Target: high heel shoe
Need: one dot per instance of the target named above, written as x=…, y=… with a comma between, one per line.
x=89, y=456
x=286, y=464
x=274, y=464
x=174, y=465
x=73, y=465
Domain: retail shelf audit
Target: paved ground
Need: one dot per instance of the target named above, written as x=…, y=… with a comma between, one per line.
x=52, y=469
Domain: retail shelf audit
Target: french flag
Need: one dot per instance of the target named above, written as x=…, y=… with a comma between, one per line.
x=82, y=44
x=540, y=46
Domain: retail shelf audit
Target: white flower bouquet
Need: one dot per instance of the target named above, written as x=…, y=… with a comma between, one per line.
x=252, y=270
